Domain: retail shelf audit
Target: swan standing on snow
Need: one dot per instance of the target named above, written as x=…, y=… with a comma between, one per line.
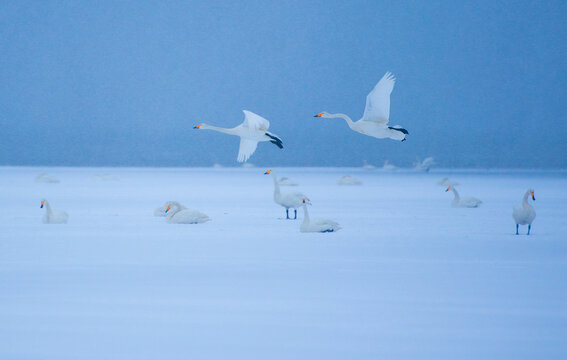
x=524, y=213
x=317, y=224
x=469, y=201
x=289, y=200
x=178, y=214
x=424, y=165
x=254, y=129
x=374, y=122
x=53, y=216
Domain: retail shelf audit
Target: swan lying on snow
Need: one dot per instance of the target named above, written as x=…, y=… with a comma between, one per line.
x=388, y=167
x=424, y=165
x=253, y=130
x=524, y=213
x=469, y=201
x=53, y=216
x=289, y=200
x=162, y=210
x=367, y=166
x=376, y=115
x=46, y=178
x=348, y=180
x=178, y=214
x=317, y=224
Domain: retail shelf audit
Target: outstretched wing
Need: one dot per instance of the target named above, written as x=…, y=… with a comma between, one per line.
x=255, y=122
x=378, y=101
x=247, y=148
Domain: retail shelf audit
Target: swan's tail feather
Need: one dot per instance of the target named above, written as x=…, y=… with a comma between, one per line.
x=275, y=140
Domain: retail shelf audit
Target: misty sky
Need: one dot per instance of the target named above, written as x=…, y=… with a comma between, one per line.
x=479, y=84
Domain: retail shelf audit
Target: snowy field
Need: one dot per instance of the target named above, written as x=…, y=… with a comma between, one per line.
x=407, y=277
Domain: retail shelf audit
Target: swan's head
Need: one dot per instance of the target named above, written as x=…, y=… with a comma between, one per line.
x=306, y=201
x=167, y=209
x=268, y=172
x=448, y=188
x=197, y=126
x=322, y=114
x=532, y=194
x=42, y=203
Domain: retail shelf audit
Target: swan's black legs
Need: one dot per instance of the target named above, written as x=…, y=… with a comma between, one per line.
x=295, y=218
x=517, y=229
x=287, y=214
x=529, y=228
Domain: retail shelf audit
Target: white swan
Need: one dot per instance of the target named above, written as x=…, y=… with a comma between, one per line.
x=178, y=214
x=317, y=224
x=46, y=178
x=289, y=200
x=376, y=115
x=254, y=129
x=162, y=210
x=424, y=165
x=446, y=182
x=53, y=216
x=367, y=166
x=388, y=167
x=348, y=180
x=469, y=201
x=524, y=213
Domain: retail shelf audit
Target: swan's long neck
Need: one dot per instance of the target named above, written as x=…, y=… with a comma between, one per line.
x=348, y=120
x=305, y=214
x=457, y=197
x=219, y=129
x=525, y=203
x=276, y=185
x=48, y=211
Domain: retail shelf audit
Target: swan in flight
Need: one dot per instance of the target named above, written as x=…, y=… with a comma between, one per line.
x=524, y=213
x=178, y=214
x=253, y=130
x=317, y=224
x=289, y=200
x=376, y=115
x=53, y=216
x=348, y=180
x=469, y=201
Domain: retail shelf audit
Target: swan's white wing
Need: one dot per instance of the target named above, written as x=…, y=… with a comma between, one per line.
x=247, y=148
x=378, y=101
x=255, y=122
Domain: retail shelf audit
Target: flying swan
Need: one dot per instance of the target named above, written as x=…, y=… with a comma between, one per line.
x=178, y=214
x=253, y=130
x=524, y=213
x=468, y=201
x=376, y=115
x=317, y=224
x=289, y=200
x=53, y=216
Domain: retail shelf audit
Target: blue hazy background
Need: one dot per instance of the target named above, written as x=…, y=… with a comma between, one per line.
x=479, y=84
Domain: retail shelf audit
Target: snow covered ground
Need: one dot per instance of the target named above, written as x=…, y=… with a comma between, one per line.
x=408, y=277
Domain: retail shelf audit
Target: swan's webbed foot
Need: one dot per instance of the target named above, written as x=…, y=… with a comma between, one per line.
x=275, y=140
x=517, y=229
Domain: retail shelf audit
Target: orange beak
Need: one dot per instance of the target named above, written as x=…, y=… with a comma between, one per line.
x=41, y=205
x=267, y=172
x=533, y=196
x=318, y=115
x=197, y=126
x=168, y=208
